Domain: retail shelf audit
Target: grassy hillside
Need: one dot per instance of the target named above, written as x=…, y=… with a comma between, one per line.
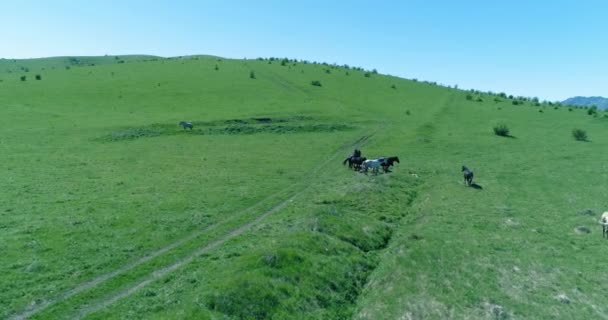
x=111, y=210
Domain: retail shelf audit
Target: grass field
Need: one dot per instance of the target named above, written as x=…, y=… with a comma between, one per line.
x=110, y=210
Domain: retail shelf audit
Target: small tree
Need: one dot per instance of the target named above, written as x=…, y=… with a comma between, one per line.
x=316, y=83
x=501, y=130
x=367, y=74
x=579, y=135
x=38, y=77
x=23, y=78
x=393, y=86
x=251, y=74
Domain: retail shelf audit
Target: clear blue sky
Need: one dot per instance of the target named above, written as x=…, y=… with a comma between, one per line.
x=549, y=49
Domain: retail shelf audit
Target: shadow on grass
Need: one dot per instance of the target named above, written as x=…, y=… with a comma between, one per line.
x=507, y=136
x=476, y=186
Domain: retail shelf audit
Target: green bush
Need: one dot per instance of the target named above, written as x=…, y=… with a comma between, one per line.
x=38, y=77
x=252, y=74
x=501, y=130
x=316, y=83
x=579, y=135
x=23, y=78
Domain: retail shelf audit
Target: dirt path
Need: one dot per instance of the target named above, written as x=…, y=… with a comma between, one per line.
x=30, y=311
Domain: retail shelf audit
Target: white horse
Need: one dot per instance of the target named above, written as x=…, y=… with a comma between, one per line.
x=374, y=164
x=604, y=222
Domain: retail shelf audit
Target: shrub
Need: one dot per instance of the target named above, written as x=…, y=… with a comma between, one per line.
x=38, y=77
x=393, y=86
x=216, y=68
x=501, y=130
x=252, y=74
x=367, y=74
x=23, y=78
x=469, y=97
x=316, y=83
x=592, y=111
x=579, y=135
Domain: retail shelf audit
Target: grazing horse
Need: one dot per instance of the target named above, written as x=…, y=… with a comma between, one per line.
x=468, y=176
x=388, y=162
x=604, y=222
x=186, y=125
x=374, y=164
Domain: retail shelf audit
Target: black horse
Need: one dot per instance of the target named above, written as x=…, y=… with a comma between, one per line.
x=186, y=125
x=388, y=162
x=468, y=176
x=356, y=155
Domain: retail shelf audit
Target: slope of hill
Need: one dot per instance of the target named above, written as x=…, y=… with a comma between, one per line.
x=111, y=210
x=599, y=102
x=30, y=66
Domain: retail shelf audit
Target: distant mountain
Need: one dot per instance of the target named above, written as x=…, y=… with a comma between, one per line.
x=600, y=102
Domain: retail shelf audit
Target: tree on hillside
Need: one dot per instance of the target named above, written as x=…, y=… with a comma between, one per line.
x=579, y=135
x=252, y=74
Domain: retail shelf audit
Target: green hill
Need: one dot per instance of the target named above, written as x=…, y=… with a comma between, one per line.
x=111, y=210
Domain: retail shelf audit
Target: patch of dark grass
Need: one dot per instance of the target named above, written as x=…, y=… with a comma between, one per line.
x=135, y=133
x=309, y=273
x=280, y=125
x=277, y=129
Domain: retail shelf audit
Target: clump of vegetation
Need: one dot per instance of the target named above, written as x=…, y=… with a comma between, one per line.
x=134, y=133
x=393, y=86
x=38, y=77
x=252, y=74
x=501, y=129
x=216, y=68
x=316, y=83
x=23, y=78
x=469, y=97
x=367, y=74
x=579, y=135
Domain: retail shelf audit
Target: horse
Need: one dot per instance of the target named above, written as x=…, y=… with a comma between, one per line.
x=604, y=223
x=186, y=125
x=355, y=162
x=374, y=164
x=353, y=159
x=468, y=176
x=388, y=162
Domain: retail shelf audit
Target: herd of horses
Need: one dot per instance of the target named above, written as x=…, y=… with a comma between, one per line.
x=358, y=162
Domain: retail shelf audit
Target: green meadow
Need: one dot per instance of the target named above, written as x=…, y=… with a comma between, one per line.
x=110, y=210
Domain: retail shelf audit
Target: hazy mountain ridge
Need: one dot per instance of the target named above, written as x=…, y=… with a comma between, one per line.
x=600, y=102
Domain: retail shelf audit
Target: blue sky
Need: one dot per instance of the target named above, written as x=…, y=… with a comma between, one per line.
x=549, y=49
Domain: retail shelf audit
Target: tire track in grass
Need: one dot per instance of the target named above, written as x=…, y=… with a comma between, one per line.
x=32, y=310
x=236, y=232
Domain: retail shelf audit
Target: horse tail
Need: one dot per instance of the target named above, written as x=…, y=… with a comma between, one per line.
x=344, y=162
